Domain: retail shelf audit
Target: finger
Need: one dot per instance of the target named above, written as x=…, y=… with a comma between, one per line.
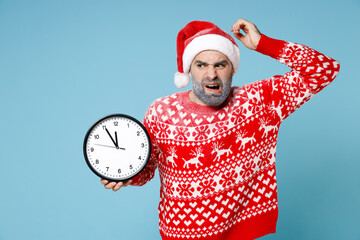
x=245, y=28
x=127, y=183
x=110, y=185
x=235, y=28
x=239, y=36
x=117, y=186
x=243, y=22
x=103, y=181
x=239, y=22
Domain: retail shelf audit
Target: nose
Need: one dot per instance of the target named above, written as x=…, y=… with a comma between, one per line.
x=211, y=73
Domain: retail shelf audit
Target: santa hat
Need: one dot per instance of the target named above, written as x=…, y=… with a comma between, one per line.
x=198, y=36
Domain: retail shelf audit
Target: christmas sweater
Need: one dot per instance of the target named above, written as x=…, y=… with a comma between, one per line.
x=217, y=165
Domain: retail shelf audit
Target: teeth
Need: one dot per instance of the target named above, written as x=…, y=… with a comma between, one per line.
x=213, y=86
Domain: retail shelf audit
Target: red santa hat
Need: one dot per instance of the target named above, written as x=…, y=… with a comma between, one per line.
x=198, y=36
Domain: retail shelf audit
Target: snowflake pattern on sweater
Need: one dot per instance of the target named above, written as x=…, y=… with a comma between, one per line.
x=217, y=166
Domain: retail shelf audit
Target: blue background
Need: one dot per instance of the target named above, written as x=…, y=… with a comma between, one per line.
x=65, y=64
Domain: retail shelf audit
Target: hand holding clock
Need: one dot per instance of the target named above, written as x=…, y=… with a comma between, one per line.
x=115, y=186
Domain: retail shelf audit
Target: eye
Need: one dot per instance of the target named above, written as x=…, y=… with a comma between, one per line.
x=220, y=65
x=200, y=65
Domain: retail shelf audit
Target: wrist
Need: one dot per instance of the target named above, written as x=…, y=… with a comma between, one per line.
x=257, y=40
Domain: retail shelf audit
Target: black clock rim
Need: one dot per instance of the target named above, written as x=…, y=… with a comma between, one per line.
x=85, y=144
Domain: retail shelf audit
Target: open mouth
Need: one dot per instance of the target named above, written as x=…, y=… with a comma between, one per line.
x=213, y=87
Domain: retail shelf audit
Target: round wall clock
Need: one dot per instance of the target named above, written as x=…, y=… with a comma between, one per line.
x=117, y=147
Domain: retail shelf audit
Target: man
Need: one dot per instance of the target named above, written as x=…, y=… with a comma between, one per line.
x=215, y=145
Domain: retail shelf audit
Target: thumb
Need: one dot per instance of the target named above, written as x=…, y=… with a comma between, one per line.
x=239, y=36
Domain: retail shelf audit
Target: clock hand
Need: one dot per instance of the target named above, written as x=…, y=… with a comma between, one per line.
x=111, y=138
x=104, y=145
x=108, y=146
x=117, y=144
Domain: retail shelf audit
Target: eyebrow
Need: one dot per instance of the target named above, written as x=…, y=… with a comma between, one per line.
x=220, y=62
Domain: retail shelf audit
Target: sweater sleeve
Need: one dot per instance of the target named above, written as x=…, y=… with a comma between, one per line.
x=149, y=171
x=311, y=72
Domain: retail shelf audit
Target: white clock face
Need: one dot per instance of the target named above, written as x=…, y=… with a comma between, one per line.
x=117, y=147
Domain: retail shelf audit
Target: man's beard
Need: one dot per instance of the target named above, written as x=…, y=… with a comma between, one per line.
x=212, y=99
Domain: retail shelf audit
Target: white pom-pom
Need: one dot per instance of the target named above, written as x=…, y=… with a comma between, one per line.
x=181, y=80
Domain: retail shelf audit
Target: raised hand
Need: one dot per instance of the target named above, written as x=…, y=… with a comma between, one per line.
x=252, y=34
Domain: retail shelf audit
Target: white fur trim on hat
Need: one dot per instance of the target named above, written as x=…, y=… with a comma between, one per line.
x=211, y=42
x=181, y=80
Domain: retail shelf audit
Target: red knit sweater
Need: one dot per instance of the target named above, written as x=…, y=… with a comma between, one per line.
x=217, y=166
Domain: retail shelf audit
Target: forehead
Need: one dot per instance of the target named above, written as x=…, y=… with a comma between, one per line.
x=210, y=56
